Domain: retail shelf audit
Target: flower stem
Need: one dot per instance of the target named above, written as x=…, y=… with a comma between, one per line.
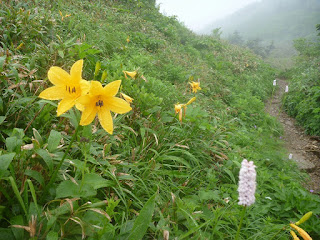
x=243, y=213
x=85, y=164
x=54, y=174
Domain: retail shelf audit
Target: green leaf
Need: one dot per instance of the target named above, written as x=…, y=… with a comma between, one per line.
x=74, y=117
x=46, y=157
x=13, y=144
x=6, y=233
x=18, y=132
x=54, y=140
x=87, y=131
x=70, y=189
x=52, y=236
x=230, y=175
x=17, y=193
x=33, y=194
x=67, y=189
x=142, y=222
x=206, y=195
x=61, y=54
x=37, y=136
x=96, y=181
x=52, y=219
x=87, y=191
x=175, y=159
x=17, y=232
x=36, y=175
x=2, y=118
x=5, y=160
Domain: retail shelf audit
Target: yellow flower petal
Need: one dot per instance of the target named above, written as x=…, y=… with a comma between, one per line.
x=180, y=115
x=64, y=105
x=105, y=120
x=195, y=86
x=76, y=71
x=58, y=76
x=84, y=100
x=79, y=106
x=116, y=105
x=96, y=88
x=112, y=88
x=177, y=107
x=127, y=98
x=84, y=86
x=88, y=115
x=53, y=93
x=131, y=74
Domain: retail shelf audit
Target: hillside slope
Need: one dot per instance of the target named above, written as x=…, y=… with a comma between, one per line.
x=278, y=20
x=168, y=168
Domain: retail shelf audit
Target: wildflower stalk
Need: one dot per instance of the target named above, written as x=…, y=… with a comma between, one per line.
x=54, y=174
x=243, y=213
x=85, y=164
x=246, y=189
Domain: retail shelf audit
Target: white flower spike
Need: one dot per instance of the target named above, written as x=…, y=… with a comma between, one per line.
x=247, y=183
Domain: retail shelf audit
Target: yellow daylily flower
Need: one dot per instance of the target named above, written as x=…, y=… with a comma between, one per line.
x=302, y=232
x=62, y=17
x=195, y=86
x=131, y=74
x=101, y=100
x=68, y=87
x=128, y=39
x=127, y=98
x=178, y=109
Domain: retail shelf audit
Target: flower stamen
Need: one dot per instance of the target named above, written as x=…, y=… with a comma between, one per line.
x=73, y=90
x=99, y=103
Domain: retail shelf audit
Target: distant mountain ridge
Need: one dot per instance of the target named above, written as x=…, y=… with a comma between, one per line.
x=278, y=20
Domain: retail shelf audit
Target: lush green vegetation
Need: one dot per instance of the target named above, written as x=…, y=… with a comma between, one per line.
x=154, y=175
x=303, y=100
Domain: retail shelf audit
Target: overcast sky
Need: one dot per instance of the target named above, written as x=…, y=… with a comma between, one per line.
x=196, y=14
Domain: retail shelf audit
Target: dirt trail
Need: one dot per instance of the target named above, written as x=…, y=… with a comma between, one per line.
x=305, y=149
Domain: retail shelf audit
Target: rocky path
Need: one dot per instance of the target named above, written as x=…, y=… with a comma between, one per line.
x=303, y=149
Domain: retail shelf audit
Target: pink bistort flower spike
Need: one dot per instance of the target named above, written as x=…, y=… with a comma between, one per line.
x=247, y=183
